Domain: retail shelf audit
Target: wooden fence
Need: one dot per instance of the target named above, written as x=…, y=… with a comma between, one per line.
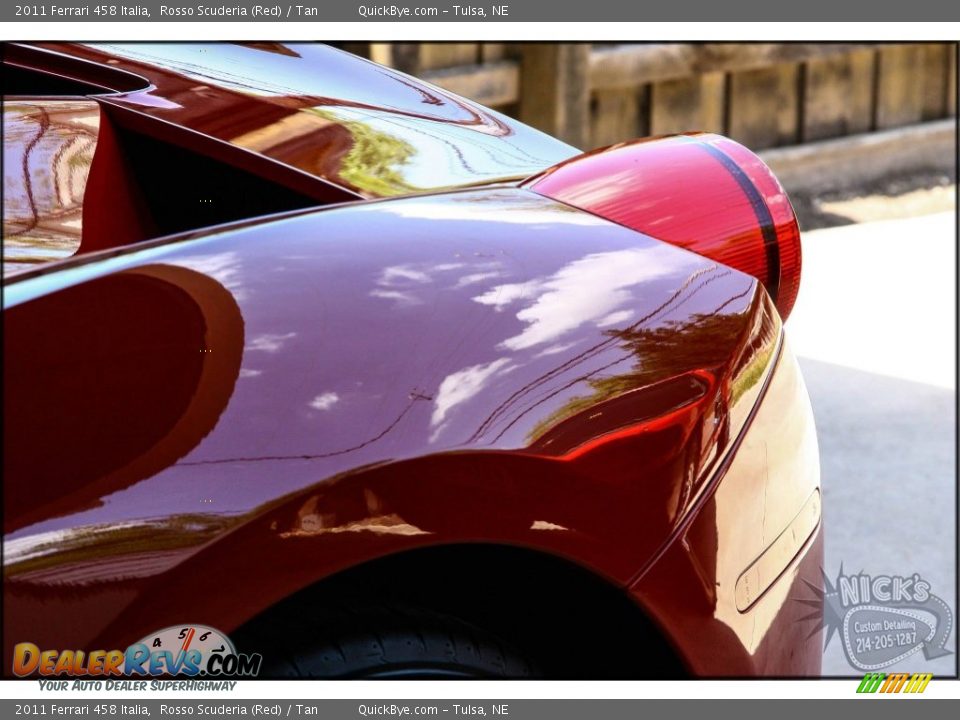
x=764, y=95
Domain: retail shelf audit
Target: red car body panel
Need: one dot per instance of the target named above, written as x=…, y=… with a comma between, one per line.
x=360, y=129
x=767, y=508
x=325, y=124
x=245, y=411
x=672, y=188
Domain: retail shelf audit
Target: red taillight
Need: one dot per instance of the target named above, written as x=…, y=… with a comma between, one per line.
x=703, y=192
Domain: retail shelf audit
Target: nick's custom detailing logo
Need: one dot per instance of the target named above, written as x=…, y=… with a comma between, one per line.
x=191, y=650
x=883, y=619
x=894, y=682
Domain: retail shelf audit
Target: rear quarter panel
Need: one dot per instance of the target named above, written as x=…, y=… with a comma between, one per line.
x=483, y=366
x=739, y=592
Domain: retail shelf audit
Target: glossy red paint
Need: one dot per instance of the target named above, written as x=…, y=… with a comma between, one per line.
x=703, y=192
x=244, y=411
x=112, y=185
x=692, y=589
x=327, y=122
x=586, y=425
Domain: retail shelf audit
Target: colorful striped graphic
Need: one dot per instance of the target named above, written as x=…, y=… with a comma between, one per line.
x=894, y=682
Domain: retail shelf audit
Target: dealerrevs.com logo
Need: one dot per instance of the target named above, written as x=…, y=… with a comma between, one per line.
x=188, y=650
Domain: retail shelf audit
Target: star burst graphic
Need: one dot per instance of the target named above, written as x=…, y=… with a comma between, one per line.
x=827, y=609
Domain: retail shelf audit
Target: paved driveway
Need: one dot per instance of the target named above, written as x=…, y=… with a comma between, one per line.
x=875, y=330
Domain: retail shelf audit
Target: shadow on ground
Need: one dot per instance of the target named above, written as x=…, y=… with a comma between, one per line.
x=889, y=485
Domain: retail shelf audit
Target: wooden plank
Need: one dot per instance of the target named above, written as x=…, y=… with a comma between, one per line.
x=405, y=57
x=713, y=95
x=554, y=95
x=763, y=107
x=838, y=96
x=933, y=69
x=734, y=57
x=491, y=84
x=623, y=66
x=494, y=52
x=445, y=55
x=695, y=103
x=617, y=115
x=851, y=161
x=382, y=53
x=630, y=65
x=899, y=91
x=357, y=48
x=952, y=81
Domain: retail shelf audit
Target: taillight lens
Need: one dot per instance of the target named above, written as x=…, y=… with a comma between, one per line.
x=703, y=192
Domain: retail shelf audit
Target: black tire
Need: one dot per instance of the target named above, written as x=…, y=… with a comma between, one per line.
x=386, y=643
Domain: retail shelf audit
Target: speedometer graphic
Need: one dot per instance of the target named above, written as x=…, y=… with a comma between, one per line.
x=183, y=638
x=190, y=649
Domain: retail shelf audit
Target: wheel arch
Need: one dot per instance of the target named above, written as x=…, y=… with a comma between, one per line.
x=570, y=621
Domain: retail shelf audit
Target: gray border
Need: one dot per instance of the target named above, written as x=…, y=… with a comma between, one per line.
x=149, y=11
x=786, y=709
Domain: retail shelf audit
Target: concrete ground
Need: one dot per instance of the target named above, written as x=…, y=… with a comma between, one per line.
x=875, y=330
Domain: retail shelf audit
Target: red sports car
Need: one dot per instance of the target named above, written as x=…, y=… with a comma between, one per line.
x=382, y=383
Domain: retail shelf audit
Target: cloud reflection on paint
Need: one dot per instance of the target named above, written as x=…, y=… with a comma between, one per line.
x=403, y=283
x=325, y=401
x=224, y=267
x=268, y=342
x=592, y=289
x=462, y=385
